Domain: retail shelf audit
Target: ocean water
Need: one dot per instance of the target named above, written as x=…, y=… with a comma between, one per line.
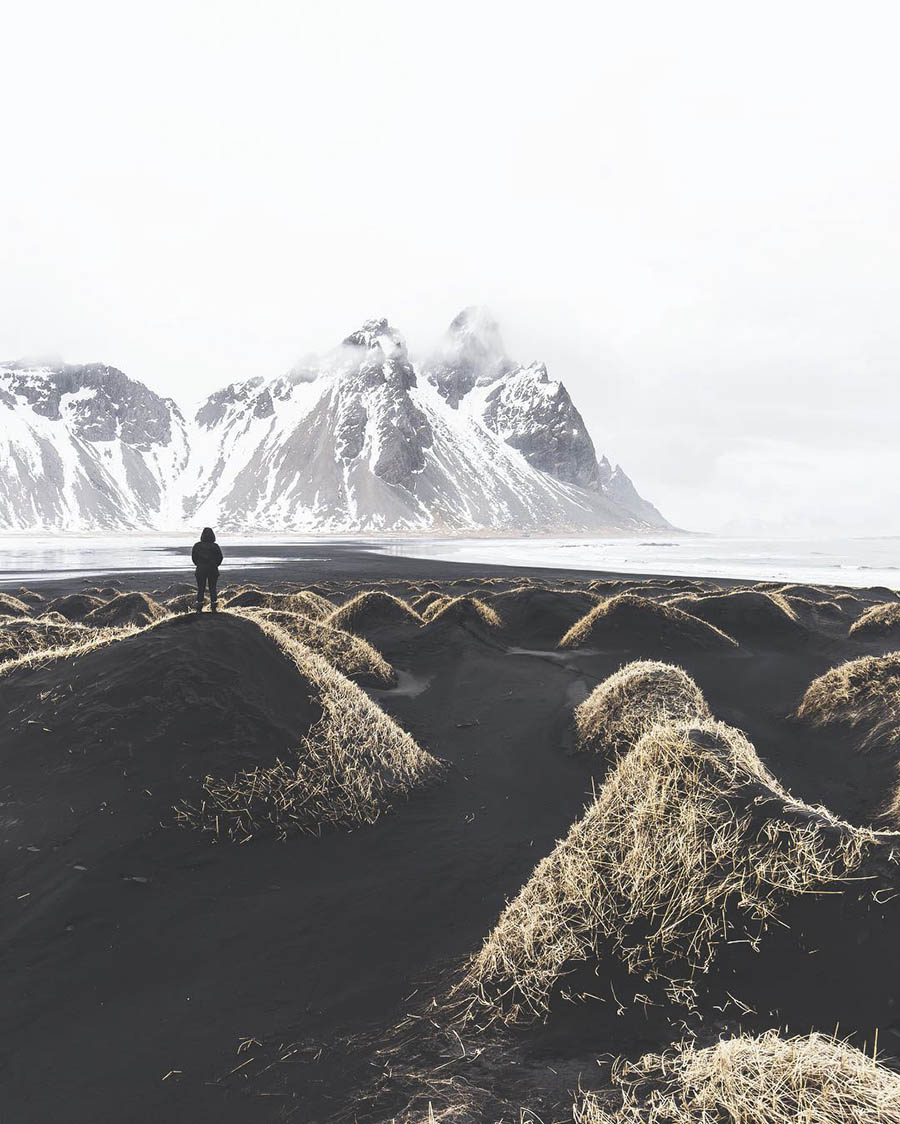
x=25, y=558
x=850, y=562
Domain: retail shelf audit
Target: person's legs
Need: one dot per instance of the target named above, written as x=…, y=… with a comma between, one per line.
x=213, y=578
x=201, y=589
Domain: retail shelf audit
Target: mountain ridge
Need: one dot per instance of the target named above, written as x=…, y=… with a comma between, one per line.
x=359, y=439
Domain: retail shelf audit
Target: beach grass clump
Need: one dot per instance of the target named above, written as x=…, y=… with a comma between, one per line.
x=22, y=635
x=880, y=622
x=347, y=770
x=76, y=643
x=670, y=860
x=640, y=695
x=862, y=695
x=634, y=620
x=751, y=1079
x=351, y=655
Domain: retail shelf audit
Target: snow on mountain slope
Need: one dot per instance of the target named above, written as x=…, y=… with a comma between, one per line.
x=356, y=440
x=85, y=447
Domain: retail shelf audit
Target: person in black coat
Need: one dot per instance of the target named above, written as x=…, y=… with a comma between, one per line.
x=207, y=558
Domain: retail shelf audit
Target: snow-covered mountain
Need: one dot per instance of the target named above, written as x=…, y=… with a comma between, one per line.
x=360, y=439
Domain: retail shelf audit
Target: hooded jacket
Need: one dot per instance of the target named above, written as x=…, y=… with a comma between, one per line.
x=207, y=554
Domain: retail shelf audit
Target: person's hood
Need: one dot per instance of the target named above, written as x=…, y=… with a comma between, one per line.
x=207, y=535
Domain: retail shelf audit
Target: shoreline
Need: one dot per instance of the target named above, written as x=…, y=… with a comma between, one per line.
x=348, y=561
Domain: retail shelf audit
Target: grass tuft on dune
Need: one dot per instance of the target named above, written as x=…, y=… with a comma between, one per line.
x=672, y=858
x=862, y=695
x=640, y=695
x=764, y=1079
x=346, y=770
x=78, y=642
x=880, y=622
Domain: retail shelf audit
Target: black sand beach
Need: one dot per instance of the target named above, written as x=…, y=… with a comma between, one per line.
x=154, y=972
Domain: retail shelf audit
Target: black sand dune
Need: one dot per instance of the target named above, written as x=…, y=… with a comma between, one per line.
x=74, y=606
x=376, y=616
x=747, y=615
x=125, y=609
x=541, y=617
x=151, y=973
x=645, y=627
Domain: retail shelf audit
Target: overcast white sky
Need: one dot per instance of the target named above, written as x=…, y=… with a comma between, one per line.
x=689, y=211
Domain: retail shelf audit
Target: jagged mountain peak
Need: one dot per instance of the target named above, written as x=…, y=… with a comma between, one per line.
x=378, y=333
x=471, y=354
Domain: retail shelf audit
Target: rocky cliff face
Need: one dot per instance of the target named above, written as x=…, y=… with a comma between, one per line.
x=359, y=439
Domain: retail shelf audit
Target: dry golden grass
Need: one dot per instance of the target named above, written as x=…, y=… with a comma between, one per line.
x=878, y=622
x=638, y=618
x=345, y=771
x=371, y=608
x=350, y=654
x=640, y=695
x=765, y=1079
x=421, y=603
x=22, y=635
x=13, y=607
x=449, y=608
x=86, y=640
x=670, y=860
x=434, y=605
x=863, y=695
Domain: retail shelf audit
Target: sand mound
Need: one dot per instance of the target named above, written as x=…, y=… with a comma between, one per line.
x=637, y=697
x=638, y=624
x=178, y=589
x=745, y=614
x=126, y=608
x=465, y=611
x=29, y=596
x=372, y=612
x=862, y=695
x=13, y=607
x=75, y=606
x=752, y=1080
x=421, y=603
x=536, y=615
x=880, y=622
x=350, y=654
x=810, y=592
x=21, y=636
x=345, y=769
x=691, y=843
x=303, y=601
x=186, y=603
